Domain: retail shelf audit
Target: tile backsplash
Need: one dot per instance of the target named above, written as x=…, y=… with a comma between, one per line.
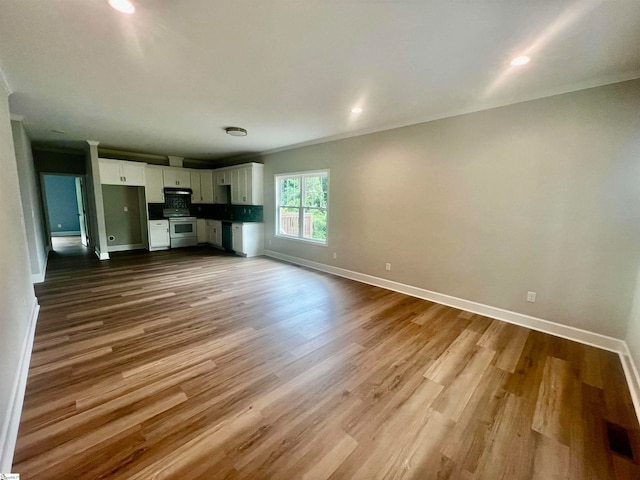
x=235, y=213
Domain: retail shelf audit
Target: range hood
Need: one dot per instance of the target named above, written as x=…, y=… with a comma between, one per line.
x=177, y=191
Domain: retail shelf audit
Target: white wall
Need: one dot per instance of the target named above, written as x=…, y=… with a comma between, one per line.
x=17, y=300
x=541, y=196
x=30, y=196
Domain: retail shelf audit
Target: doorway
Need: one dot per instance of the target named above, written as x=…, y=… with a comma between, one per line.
x=64, y=198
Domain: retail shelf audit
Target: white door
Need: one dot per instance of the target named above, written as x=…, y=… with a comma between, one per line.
x=82, y=215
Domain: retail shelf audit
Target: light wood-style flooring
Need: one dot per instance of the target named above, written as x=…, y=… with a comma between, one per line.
x=195, y=364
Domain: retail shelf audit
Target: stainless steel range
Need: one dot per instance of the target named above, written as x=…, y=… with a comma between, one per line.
x=182, y=232
x=182, y=227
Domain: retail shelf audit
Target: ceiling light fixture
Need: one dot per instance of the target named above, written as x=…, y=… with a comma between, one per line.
x=522, y=60
x=356, y=110
x=123, y=6
x=236, y=131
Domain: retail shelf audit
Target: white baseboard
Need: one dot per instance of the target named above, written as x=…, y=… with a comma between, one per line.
x=66, y=234
x=571, y=333
x=100, y=255
x=564, y=331
x=9, y=435
x=124, y=248
x=633, y=377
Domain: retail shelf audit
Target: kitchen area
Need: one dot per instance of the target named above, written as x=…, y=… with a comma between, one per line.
x=185, y=207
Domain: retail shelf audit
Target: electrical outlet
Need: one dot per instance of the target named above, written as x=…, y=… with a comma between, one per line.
x=59, y=225
x=531, y=297
x=387, y=267
x=126, y=209
x=335, y=255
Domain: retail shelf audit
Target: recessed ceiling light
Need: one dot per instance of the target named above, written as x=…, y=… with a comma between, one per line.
x=236, y=131
x=124, y=6
x=516, y=62
x=356, y=110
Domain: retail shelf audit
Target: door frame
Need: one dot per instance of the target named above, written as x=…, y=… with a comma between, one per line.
x=83, y=199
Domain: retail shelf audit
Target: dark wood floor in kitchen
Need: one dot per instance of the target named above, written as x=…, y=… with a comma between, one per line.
x=195, y=364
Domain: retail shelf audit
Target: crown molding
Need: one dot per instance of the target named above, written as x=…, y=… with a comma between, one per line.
x=585, y=85
x=17, y=118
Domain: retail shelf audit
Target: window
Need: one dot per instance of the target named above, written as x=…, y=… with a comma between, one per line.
x=301, y=206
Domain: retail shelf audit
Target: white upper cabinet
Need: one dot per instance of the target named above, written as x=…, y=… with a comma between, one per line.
x=196, y=193
x=239, y=191
x=120, y=172
x=176, y=177
x=246, y=184
x=154, y=184
x=206, y=186
x=202, y=186
x=223, y=177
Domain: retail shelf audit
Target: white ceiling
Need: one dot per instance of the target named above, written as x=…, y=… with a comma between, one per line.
x=169, y=78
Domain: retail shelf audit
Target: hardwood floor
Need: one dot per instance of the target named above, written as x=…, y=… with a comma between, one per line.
x=194, y=364
x=70, y=245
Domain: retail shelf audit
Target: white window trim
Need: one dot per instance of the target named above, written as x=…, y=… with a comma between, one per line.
x=310, y=173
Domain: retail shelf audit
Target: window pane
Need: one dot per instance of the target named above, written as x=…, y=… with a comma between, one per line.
x=315, y=191
x=289, y=221
x=315, y=224
x=290, y=191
